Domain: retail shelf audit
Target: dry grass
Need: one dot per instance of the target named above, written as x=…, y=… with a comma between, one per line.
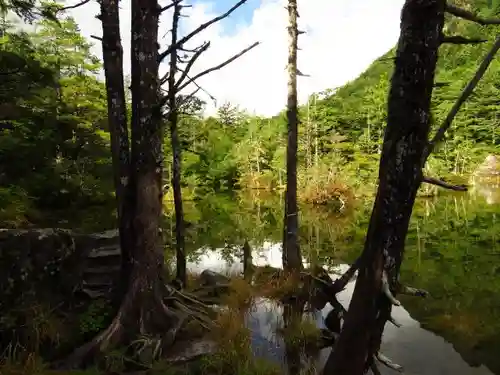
x=332, y=194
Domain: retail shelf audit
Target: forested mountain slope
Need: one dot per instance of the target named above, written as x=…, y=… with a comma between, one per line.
x=357, y=111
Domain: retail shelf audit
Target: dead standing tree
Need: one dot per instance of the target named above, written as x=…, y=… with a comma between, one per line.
x=406, y=149
x=292, y=260
x=178, y=78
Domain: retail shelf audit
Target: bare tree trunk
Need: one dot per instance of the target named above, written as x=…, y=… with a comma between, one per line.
x=291, y=251
x=147, y=152
x=176, y=153
x=117, y=121
x=400, y=174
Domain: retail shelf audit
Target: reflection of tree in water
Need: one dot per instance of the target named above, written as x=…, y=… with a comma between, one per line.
x=452, y=240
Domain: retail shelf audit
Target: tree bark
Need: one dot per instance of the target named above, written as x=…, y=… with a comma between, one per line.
x=173, y=119
x=400, y=175
x=291, y=251
x=147, y=152
x=117, y=121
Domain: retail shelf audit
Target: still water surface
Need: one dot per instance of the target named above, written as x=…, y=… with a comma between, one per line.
x=452, y=250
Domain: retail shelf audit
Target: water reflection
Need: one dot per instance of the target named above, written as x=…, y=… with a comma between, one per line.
x=418, y=350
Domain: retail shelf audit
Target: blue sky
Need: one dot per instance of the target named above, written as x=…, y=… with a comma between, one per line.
x=239, y=18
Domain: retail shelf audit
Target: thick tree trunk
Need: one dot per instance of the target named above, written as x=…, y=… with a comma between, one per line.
x=117, y=121
x=176, y=154
x=147, y=152
x=291, y=251
x=400, y=175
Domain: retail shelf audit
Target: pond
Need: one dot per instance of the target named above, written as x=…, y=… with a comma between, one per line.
x=452, y=251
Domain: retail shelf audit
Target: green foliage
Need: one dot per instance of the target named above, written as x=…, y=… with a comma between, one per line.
x=95, y=318
x=54, y=144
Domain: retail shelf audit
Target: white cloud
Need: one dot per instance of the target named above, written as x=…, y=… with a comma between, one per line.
x=343, y=38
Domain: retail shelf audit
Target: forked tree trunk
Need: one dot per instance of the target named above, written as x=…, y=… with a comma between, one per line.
x=142, y=310
x=291, y=251
x=117, y=122
x=400, y=175
x=173, y=119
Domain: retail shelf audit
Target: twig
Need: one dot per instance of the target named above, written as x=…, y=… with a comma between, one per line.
x=96, y=38
x=463, y=97
x=190, y=64
x=220, y=66
x=444, y=184
x=200, y=28
x=458, y=39
x=466, y=15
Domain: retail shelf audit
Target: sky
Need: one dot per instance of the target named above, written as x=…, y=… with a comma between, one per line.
x=342, y=38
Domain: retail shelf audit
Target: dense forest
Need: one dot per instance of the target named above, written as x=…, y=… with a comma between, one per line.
x=57, y=171
x=63, y=164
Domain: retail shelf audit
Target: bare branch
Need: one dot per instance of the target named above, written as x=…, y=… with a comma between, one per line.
x=199, y=29
x=466, y=15
x=410, y=291
x=387, y=362
x=190, y=64
x=220, y=66
x=457, y=39
x=167, y=7
x=300, y=74
x=444, y=184
x=96, y=38
x=463, y=97
x=341, y=282
x=387, y=291
x=77, y=5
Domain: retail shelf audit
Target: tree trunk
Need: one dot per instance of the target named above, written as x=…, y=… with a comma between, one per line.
x=400, y=174
x=176, y=153
x=117, y=121
x=147, y=152
x=291, y=251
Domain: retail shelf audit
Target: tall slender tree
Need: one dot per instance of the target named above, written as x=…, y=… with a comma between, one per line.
x=112, y=52
x=291, y=250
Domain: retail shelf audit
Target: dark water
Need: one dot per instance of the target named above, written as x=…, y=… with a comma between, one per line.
x=452, y=251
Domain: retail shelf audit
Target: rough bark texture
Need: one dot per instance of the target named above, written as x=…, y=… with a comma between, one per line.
x=147, y=159
x=400, y=175
x=142, y=310
x=176, y=153
x=117, y=121
x=291, y=251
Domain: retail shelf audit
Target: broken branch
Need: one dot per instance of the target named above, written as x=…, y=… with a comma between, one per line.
x=217, y=67
x=463, y=97
x=466, y=15
x=190, y=64
x=457, y=39
x=387, y=290
x=202, y=27
x=444, y=184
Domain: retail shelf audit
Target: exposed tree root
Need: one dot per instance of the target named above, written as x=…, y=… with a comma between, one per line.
x=149, y=320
